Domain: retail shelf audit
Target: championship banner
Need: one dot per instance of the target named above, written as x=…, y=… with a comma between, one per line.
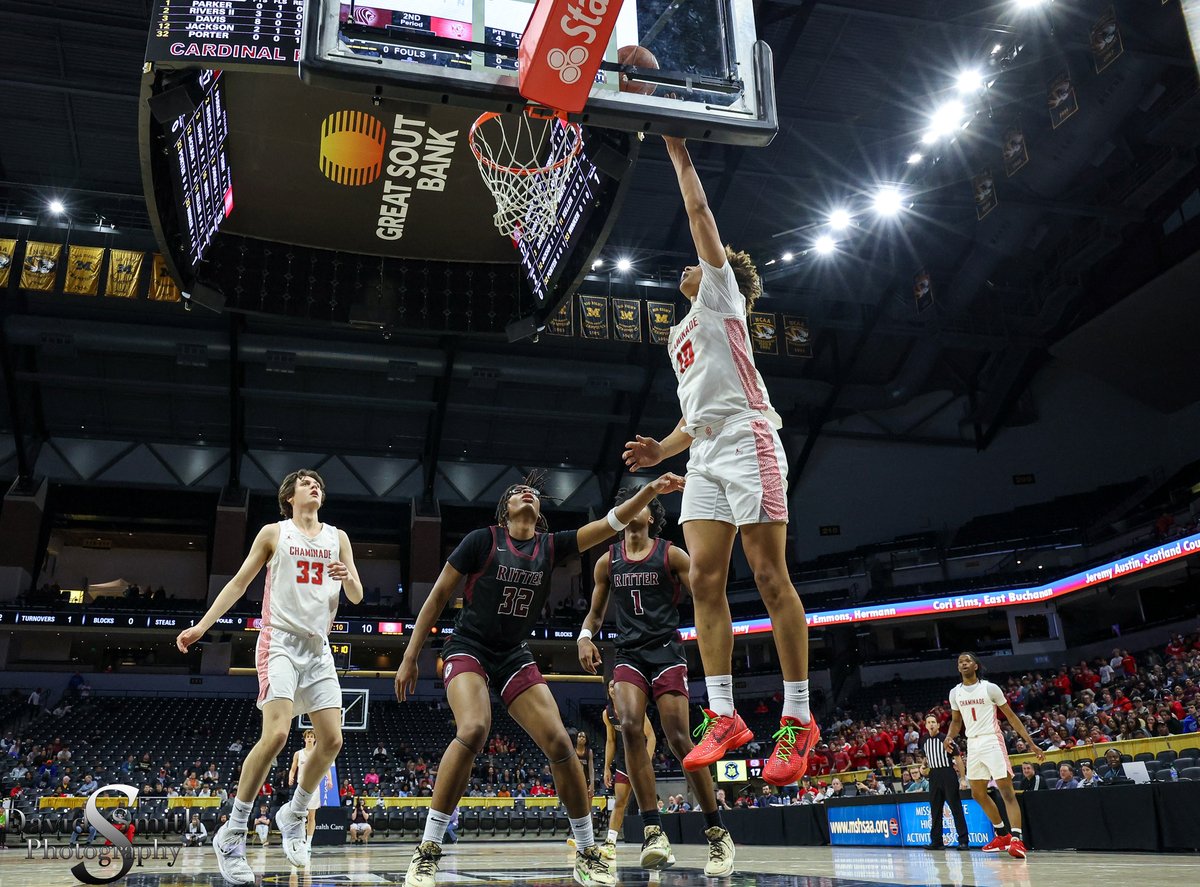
x=594, y=320
x=1061, y=98
x=627, y=319
x=661, y=317
x=8, y=249
x=797, y=338
x=923, y=290
x=83, y=270
x=162, y=287
x=41, y=265
x=985, y=193
x=764, y=333
x=1107, y=45
x=124, y=270
x=562, y=322
x=1014, y=151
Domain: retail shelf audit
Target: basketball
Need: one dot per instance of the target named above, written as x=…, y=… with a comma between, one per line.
x=639, y=57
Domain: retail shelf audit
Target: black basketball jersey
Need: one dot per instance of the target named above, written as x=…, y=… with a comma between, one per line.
x=646, y=594
x=506, y=587
x=611, y=710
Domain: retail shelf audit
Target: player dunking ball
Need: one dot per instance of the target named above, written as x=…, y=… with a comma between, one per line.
x=736, y=483
x=616, y=776
x=308, y=563
x=507, y=568
x=975, y=704
x=641, y=576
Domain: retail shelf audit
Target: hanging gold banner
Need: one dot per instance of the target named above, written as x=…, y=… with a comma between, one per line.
x=163, y=288
x=83, y=270
x=627, y=319
x=661, y=316
x=562, y=321
x=984, y=187
x=923, y=290
x=40, y=268
x=124, y=271
x=594, y=317
x=8, y=249
x=1014, y=150
x=797, y=337
x=764, y=333
x=1107, y=45
x=1061, y=98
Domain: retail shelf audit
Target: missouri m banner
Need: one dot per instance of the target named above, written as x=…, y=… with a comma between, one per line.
x=83, y=270
x=662, y=317
x=124, y=271
x=162, y=287
x=594, y=323
x=8, y=249
x=40, y=269
x=627, y=319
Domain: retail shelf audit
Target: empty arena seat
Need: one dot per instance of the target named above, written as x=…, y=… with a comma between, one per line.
x=546, y=821
x=502, y=821
x=469, y=822
x=1190, y=752
x=411, y=822
x=1182, y=763
x=395, y=821
x=1190, y=773
x=1142, y=756
x=1167, y=756
x=1153, y=767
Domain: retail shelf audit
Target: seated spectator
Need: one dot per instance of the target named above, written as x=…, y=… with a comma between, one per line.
x=360, y=823
x=836, y=789
x=722, y=804
x=196, y=833
x=1113, y=770
x=78, y=828
x=919, y=783
x=1089, y=778
x=1028, y=780
x=371, y=778
x=346, y=791
x=380, y=753
x=262, y=825
x=874, y=786
x=1066, y=777
x=88, y=785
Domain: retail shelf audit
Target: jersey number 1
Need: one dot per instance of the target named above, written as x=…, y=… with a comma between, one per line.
x=310, y=572
x=516, y=601
x=637, y=601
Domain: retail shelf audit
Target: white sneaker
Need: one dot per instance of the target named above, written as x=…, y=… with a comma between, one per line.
x=231, y=856
x=295, y=841
x=423, y=867
x=720, y=853
x=592, y=869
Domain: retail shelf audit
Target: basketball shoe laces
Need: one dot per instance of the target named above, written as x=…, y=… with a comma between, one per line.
x=716, y=848
x=429, y=859
x=786, y=736
x=595, y=859
x=705, y=725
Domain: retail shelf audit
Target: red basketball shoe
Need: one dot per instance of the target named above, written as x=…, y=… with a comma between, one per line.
x=997, y=844
x=793, y=742
x=1016, y=848
x=718, y=734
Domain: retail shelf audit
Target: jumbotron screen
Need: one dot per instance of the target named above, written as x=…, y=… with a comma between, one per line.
x=200, y=167
x=226, y=32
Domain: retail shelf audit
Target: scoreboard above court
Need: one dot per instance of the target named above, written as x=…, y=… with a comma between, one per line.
x=226, y=33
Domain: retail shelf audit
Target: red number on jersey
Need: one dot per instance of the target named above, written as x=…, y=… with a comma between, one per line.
x=637, y=601
x=974, y=716
x=310, y=572
x=686, y=356
x=516, y=601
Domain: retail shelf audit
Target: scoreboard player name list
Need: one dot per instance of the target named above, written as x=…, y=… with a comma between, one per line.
x=231, y=29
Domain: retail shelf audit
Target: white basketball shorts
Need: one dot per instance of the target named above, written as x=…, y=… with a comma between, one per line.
x=987, y=760
x=296, y=668
x=736, y=474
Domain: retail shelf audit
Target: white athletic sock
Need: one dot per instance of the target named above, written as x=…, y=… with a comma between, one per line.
x=720, y=694
x=300, y=800
x=581, y=829
x=435, y=826
x=795, y=701
x=612, y=836
x=240, y=815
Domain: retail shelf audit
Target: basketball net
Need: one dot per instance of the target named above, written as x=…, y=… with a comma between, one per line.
x=526, y=161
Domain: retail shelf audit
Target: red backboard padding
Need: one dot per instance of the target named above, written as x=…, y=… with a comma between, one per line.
x=561, y=51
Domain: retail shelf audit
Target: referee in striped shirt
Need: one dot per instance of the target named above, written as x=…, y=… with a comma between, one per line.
x=943, y=787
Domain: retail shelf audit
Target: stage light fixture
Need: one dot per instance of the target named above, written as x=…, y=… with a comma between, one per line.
x=969, y=81
x=887, y=201
x=624, y=264
x=915, y=157
x=597, y=265
x=56, y=207
x=839, y=219
x=824, y=245
x=946, y=118
x=787, y=257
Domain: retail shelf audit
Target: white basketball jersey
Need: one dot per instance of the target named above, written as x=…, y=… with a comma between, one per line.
x=979, y=706
x=712, y=357
x=299, y=596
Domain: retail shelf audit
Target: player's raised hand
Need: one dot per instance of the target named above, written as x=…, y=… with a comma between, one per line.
x=1039, y=754
x=187, y=637
x=338, y=571
x=642, y=452
x=589, y=656
x=406, y=679
x=668, y=483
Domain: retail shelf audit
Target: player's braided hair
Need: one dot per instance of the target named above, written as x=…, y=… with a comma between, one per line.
x=975, y=659
x=658, y=514
x=535, y=479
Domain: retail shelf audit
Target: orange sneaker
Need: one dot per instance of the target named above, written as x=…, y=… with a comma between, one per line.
x=717, y=734
x=997, y=844
x=1016, y=848
x=793, y=742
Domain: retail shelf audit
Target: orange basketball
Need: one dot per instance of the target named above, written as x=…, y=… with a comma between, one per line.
x=639, y=57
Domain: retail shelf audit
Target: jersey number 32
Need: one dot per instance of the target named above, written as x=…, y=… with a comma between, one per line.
x=516, y=601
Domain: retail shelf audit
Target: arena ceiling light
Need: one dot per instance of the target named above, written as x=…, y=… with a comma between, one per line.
x=787, y=257
x=598, y=264
x=969, y=81
x=946, y=118
x=624, y=265
x=824, y=245
x=839, y=219
x=887, y=201
x=1030, y=4
x=56, y=207
x=915, y=157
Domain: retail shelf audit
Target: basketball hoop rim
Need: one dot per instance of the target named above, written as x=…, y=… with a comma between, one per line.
x=488, y=163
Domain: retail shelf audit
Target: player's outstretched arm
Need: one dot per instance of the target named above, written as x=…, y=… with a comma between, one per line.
x=704, y=227
x=681, y=564
x=646, y=452
x=260, y=553
x=1011, y=717
x=439, y=596
x=610, y=749
x=591, y=535
x=956, y=724
x=345, y=572
x=589, y=654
